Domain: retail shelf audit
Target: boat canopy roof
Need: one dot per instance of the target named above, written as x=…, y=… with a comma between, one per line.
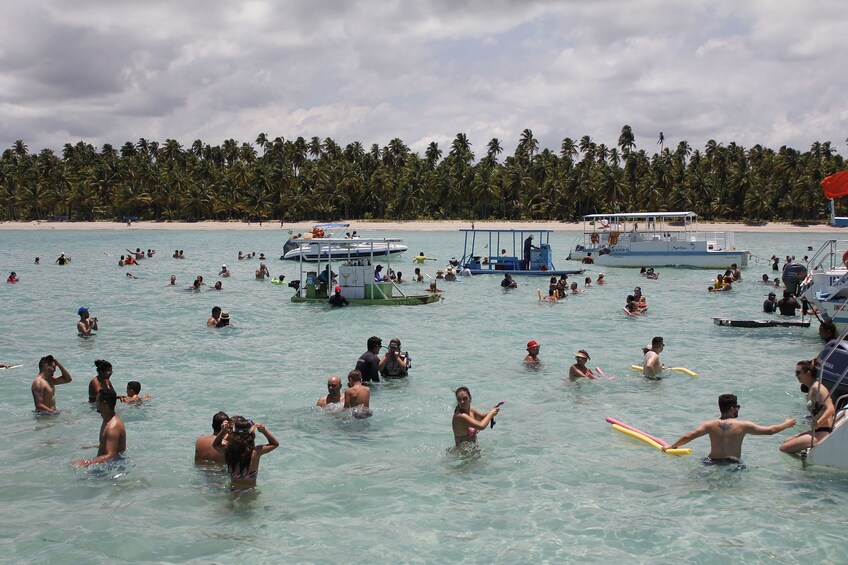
x=637, y=215
x=331, y=225
x=528, y=230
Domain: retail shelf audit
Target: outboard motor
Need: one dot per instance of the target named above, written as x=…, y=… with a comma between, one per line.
x=295, y=284
x=793, y=275
x=834, y=367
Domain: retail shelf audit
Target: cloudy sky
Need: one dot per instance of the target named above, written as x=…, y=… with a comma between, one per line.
x=750, y=71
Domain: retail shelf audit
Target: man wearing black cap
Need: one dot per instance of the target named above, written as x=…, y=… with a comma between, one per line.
x=770, y=304
x=337, y=300
x=652, y=368
x=368, y=363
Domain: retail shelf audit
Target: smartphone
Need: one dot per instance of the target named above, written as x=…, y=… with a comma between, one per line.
x=499, y=404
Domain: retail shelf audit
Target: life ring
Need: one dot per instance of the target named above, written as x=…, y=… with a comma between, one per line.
x=845, y=258
x=594, y=238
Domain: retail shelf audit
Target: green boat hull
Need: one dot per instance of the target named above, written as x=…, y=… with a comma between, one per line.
x=391, y=301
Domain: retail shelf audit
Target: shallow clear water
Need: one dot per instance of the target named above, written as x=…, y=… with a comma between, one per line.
x=552, y=481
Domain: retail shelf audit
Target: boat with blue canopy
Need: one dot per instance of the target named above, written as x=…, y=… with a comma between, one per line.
x=517, y=252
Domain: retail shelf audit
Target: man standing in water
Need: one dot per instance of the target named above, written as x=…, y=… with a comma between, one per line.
x=44, y=385
x=113, y=434
x=726, y=433
x=368, y=364
x=652, y=368
x=357, y=396
x=203, y=450
x=86, y=323
x=334, y=393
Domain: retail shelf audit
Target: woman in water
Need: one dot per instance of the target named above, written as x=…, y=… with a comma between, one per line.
x=467, y=421
x=579, y=369
x=101, y=381
x=240, y=453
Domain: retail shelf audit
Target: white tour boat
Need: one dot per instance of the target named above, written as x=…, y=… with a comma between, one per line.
x=826, y=284
x=312, y=246
x=655, y=239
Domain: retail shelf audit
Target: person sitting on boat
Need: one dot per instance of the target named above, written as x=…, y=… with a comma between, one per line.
x=337, y=300
x=579, y=368
x=652, y=368
x=788, y=304
x=770, y=304
x=327, y=276
x=418, y=277
x=828, y=331
x=604, y=250
x=395, y=363
x=532, y=357
x=820, y=406
x=378, y=274
x=503, y=252
x=588, y=260
x=507, y=282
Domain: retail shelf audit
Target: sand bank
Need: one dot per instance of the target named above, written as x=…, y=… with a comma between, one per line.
x=367, y=226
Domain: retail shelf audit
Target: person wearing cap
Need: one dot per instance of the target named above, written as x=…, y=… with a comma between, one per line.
x=225, y=272
x=532, y=357
x=337, y=300
x=579, y=368
x=601, y=280
x=652, y=368
x=770, y=304
x=86, y=323
x=368, y=363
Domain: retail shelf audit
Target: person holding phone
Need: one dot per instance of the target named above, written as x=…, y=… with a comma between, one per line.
x=467, y=422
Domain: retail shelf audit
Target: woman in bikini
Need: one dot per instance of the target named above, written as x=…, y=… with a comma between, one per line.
x=101, y=381
x=240, y=453
x=820, y=406
x=467, y=421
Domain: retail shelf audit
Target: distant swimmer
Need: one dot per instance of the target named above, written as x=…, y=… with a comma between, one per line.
x=337, y=300
x=770, y=304
x=86, y=323
x=766, y=279
x=38, y=260
x=587, y=282
x=44, y=385
x=468, y=422
x=214, y=318
x=820, y=406
x=333, y=399
x=420, y=258
x=240, y=255
x=575, y=290
x=133, y=395
x=225, y=272
x=13, y=278
x=101, y=381
x=579, y=368
x=113, y=434
x=652, y=368
x=237, y=441
x=203, y=450
x=507, y=282
x=357, y=396
x=417, y=276
x=262, y=272
x=63, y=259
x=261, y=256
x=532, y=357
x=737, y=274
x=728, y=432
x=195, y=285
x=218, y=286
x=224, y=320
x=173, y=281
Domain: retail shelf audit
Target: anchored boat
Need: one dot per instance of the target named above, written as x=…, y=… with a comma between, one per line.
x=517, y=252
x=655, y=239
x=826, y=282
x=355, y=274
x=311, y=246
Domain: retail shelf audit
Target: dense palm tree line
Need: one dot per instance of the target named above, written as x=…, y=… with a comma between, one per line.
x=297, y=179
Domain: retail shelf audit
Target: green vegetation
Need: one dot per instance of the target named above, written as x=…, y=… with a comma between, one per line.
x=299, y=180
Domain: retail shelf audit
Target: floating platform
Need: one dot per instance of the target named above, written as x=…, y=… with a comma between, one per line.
x=759, y=323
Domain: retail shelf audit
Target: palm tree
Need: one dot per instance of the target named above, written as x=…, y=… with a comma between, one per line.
x=626, y=140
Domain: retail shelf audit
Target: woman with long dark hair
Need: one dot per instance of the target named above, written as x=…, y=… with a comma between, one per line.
x=101, y=380
x=819, y=405
x=467, y=421
x=240, y=452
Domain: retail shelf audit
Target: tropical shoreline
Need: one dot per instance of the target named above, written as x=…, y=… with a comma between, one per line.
x=397, y=226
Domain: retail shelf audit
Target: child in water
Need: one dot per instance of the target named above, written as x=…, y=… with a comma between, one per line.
x=133, y=393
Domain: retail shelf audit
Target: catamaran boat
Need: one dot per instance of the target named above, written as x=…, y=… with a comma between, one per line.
x=311, y=246
x=522, y=252
x=356, y=274
x=655, y=239
x=826, y=284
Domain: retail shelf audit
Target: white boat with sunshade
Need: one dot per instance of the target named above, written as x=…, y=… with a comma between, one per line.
x=312, y=246
x=655, y=239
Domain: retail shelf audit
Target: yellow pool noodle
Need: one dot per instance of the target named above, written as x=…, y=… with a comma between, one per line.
x=652, y=443
x=539, y=292
x=638, y=369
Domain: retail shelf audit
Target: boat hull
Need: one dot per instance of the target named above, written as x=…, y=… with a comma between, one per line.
x=390, y=301
x=703, y=260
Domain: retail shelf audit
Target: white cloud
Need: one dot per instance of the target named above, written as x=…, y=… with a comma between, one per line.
x=762, y=71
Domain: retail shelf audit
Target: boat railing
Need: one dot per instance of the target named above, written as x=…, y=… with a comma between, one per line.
x=718, y=241
x=829, y=256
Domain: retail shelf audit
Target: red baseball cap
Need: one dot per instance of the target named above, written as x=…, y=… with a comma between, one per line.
x=532, y=344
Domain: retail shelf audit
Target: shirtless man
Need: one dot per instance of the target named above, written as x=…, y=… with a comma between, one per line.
x=357, y=396
x=225, y=272
x=86, y=323
x=652, y=368
x=334, y=393
x=726, y=433
x=262, y=272
x=203, y=450
x=213, y=320
x=113, y=434
x=44, y=385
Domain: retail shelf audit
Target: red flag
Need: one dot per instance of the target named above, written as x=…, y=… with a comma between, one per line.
x=836, y=185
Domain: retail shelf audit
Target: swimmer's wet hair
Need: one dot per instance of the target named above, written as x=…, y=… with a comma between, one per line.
x=218, y=420
x=134, y=386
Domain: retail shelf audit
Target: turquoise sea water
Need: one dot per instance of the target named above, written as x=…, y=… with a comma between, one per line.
x=551, y=482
